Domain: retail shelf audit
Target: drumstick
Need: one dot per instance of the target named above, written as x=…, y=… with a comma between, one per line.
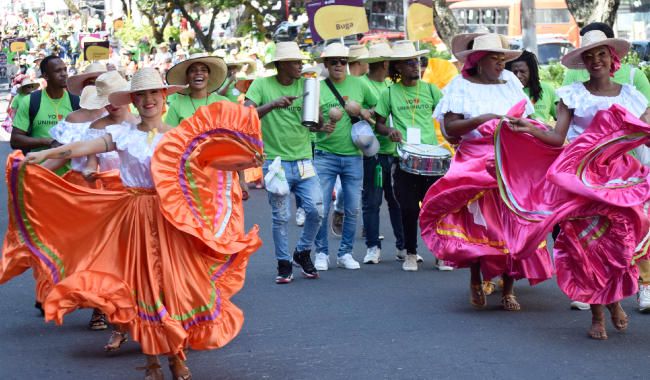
x=438, y=146
x=412, y=146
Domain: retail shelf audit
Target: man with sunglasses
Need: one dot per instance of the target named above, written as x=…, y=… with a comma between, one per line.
x=337, y=155
x=277, y=104
x=410, y=102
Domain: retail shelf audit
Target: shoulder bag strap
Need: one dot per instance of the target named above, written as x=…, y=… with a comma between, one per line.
x=34, y=106
x=329, y=84
x=74, y=102
x=632, y=76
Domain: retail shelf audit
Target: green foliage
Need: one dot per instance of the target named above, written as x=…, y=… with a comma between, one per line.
x=434, y=52
x=553, y=74
x=173, y=32
x=631, y=59
x=134, y=33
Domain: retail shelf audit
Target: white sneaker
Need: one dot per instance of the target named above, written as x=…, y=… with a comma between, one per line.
x=346, y=261
x=322, y=261
x=300, y=217
x=401, y=255
x=441, y=266
x=643, y=298
x=410, y=263
x=575, y=305
x=372, y=255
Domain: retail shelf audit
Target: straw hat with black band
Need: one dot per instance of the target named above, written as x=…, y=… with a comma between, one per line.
x=573, y=59
x=335, y=50
x=403, y=50
x=27, y=83
x=177, y=75
x=488, y=42
x=76, y=82
x=285, y=51
x=376, y=53
x=143, y=79
x=96, y=97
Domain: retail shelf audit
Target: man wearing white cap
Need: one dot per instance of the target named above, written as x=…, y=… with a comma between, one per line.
x=410, y=102
x=277, y=104
x=377, y=80
x=336, y=154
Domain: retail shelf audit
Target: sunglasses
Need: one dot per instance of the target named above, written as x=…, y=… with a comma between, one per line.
x=413, y=63
x=334, y=61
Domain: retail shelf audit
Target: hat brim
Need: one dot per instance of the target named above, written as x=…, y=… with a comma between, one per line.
x=460, y=41
x=75, y=83
x=34, y=86
x=573, y=59
x=271, y=65
x=366, y=59
x=313, y=69
x=244, y=85
x=372, y=149
x=91, y=101
x=510, y=54
x=121, y=98
x=218, y=73
x=418, y=54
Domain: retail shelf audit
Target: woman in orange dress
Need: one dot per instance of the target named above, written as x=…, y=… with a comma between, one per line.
x=162, y=257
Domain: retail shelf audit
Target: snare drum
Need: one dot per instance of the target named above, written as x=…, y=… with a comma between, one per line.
x=425, y=160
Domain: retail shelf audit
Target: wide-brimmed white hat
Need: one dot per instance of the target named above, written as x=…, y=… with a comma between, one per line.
x=356, y=51
x=27, y=83
x=229, y=62
x=96, y=97
x=460, y=42
x=307, y=68
x=573, y=59
x=404, y=50
x=376, y=53
x=250, y=62
x=285, y=51
x=146, y=78
x=218, y=71
x=334, y=50
x=488, y=42
x=76, y=82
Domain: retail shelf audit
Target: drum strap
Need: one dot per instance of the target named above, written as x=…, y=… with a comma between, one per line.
x=329, y=84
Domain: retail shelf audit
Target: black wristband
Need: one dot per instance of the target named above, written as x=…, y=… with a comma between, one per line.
x=53, y=141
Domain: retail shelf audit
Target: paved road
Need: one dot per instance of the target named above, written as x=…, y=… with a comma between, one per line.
x=374, y=323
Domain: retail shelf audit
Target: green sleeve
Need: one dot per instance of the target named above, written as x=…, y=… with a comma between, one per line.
x=172, y=117
x=383, y=106
x=437, y=95
x=22, y=116
x=15, y=102
x=641, y=83
x=569, y=77
x=254, y=93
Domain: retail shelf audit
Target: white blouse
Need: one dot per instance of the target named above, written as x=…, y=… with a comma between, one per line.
x=585, y=105
x=109, y=160
x=472, y=99
x=135, y=154
x=66, y=133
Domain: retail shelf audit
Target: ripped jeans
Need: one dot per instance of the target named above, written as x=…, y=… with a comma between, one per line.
x=309, y=191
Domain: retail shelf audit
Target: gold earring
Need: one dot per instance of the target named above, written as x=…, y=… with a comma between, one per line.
x=479, y=69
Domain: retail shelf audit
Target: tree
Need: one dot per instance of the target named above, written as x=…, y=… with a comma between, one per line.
x=73, y=7
x=152, y=9
x=206, y=40
x=445, y=22
x=587, y=11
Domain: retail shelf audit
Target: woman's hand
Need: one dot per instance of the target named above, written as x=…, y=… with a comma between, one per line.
x=88, y=175
x=489, y=116
x=33, y=158
x=521, y=125
x=394, y=135
x=453, y=140
x=259, y=160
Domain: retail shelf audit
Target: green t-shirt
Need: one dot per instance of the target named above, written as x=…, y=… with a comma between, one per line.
x=282, y=130
x=232, y=94
x=184, y=107
x=621, y=76
x=385, y=145
x=172, y=97
x=545, y=106
x=17, y=99
x=340, y=142
x=393, y=102
x=10, y=55
x=45, y=119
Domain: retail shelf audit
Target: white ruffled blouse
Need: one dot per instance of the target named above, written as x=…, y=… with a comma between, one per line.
x=66, y=133
x=585, y=105
x=135, y=154
x=108, y=160
x=472, y=99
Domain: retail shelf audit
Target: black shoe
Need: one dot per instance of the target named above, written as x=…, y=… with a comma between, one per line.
x=285, y=274
x=39, y=306
x=337, y=224
x=302, y=260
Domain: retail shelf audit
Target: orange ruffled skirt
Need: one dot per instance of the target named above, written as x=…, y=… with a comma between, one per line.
x=161, y=263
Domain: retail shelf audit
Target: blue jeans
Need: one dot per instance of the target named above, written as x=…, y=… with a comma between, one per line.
x=350, y=170
x=308, y=190
x=371, y=201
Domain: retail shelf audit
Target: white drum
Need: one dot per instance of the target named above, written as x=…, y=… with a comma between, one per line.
x=424, y=160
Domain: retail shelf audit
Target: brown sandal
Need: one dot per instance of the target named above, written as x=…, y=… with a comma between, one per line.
x=616, y=319
x=500, y=284
x=154, y=372
x=488, y=287
x=479, y=291
x=510, y=303
x=597, y=321
x=98, y=322
x=178, y=368
x=112, y=340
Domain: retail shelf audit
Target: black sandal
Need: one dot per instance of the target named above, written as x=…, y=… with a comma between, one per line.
x=98, y=322
x=39, y=306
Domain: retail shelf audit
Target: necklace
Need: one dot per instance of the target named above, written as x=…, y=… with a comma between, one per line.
x=417, y=97
x=56, y=107
x=373, y=84
x=192, y=100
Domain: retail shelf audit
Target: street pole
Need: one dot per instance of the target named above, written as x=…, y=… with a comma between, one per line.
x=528, y=30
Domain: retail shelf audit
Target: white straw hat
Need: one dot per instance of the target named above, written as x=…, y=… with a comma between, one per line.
x=405, y=50
x=285, y=51
x=143, y=79
x=250, y=62
x=573, y=59
x=376, y=53
x=356, y=51
x=96, y=97
x=218, y=71
x=27, y=83
x=76, y=82
x=488, y=42
x=237, y=64
x=333, y=50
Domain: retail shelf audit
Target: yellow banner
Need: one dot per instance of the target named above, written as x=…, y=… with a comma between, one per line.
x=118, y=24
x=18, y=44
x=336, y=18
x=419, y=20
x=95, y=51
